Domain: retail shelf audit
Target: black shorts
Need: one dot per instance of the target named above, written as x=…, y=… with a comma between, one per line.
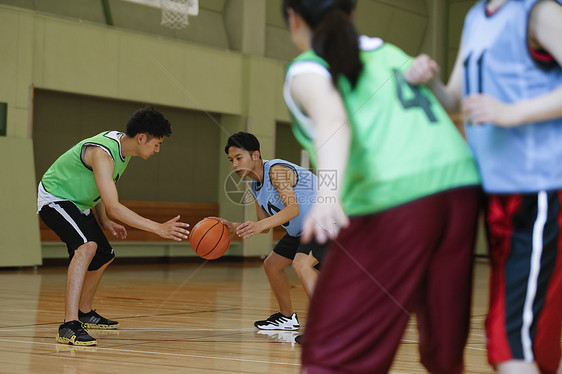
x=75, y=229
x=289, y=246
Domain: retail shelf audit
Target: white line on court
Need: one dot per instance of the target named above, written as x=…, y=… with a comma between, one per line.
x=409, y=341
x=476, y=349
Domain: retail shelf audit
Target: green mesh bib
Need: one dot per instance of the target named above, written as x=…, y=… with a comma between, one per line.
x=70, y=179
x=404, y=145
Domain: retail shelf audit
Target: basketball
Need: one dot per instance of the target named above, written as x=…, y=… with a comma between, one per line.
x=209, y=238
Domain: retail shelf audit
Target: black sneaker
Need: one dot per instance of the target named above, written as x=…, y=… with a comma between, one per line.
x=92, y=320
x=278, y=321
x=73, y=333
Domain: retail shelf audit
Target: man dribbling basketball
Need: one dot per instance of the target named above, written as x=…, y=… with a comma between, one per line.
x=83, y=178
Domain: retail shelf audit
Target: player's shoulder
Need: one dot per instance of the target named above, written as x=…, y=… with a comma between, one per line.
x=369, y=43
x=542, y=3
x=545, y=8
x=534, y=6
x=279, y=164
x=113, y=135
x=281, y=169
x=98, y=152
x=544, y=22
x=476, y=10
x=95, y=154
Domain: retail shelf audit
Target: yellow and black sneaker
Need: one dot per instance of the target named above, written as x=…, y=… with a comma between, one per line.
x=92, y=320
x=73, y=333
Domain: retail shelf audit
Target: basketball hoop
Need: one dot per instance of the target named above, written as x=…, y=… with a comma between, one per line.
x=175, y=12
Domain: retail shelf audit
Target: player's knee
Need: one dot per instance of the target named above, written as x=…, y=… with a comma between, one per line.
x=272, y=264
x=301, y=267
x=268, y=264
x=87, y=249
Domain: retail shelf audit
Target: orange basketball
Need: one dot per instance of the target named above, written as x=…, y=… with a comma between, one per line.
x=209, y=238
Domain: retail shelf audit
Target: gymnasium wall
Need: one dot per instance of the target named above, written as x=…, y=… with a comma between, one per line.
x=221, y=74
x=286, y=146
x=185, y=170
x=19, y=234
x=224, y=24
x=457, y=12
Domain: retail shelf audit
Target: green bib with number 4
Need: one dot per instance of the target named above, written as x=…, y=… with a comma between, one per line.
x=404, y=145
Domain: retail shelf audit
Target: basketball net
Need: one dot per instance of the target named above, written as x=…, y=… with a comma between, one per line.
x=175, y=12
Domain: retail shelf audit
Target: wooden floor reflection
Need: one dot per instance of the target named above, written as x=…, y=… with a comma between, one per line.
x=181, y=318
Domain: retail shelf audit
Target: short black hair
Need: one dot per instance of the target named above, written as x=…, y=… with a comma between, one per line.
x=148, y=120
x=243, y=140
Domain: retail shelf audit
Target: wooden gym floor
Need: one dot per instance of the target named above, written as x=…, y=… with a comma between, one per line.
x=180, y=318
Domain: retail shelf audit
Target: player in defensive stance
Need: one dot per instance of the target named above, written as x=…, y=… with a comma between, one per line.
x=284, y=193
x=84, y=178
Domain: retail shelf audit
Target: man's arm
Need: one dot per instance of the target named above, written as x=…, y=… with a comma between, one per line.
x=116, y=229
x=545, y=28
x=426, y=71
x=261, y=215
x=322, y=102
x=283, y=180
x=102, y=166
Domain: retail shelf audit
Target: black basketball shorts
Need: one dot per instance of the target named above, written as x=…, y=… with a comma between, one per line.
x=75, y=229
x=289, y=246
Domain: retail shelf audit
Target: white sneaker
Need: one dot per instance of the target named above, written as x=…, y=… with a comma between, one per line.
x=278, y=321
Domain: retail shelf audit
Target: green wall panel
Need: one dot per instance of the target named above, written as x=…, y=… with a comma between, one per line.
x=86, y=10
x=213, y=81
x=138, y=17
x=214, y=5
x=97, y=61
x=80, y=58
x=274, y=17
x=286, y=146
x=8, y=64
x=206, y=28
x=149, y=68
x=411, y=38
x=26, y=4
x=414, y=6
x=374, y=19
x=19, y=225
x=279, y=44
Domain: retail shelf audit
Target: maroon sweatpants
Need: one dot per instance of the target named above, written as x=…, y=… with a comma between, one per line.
x=413, y=258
